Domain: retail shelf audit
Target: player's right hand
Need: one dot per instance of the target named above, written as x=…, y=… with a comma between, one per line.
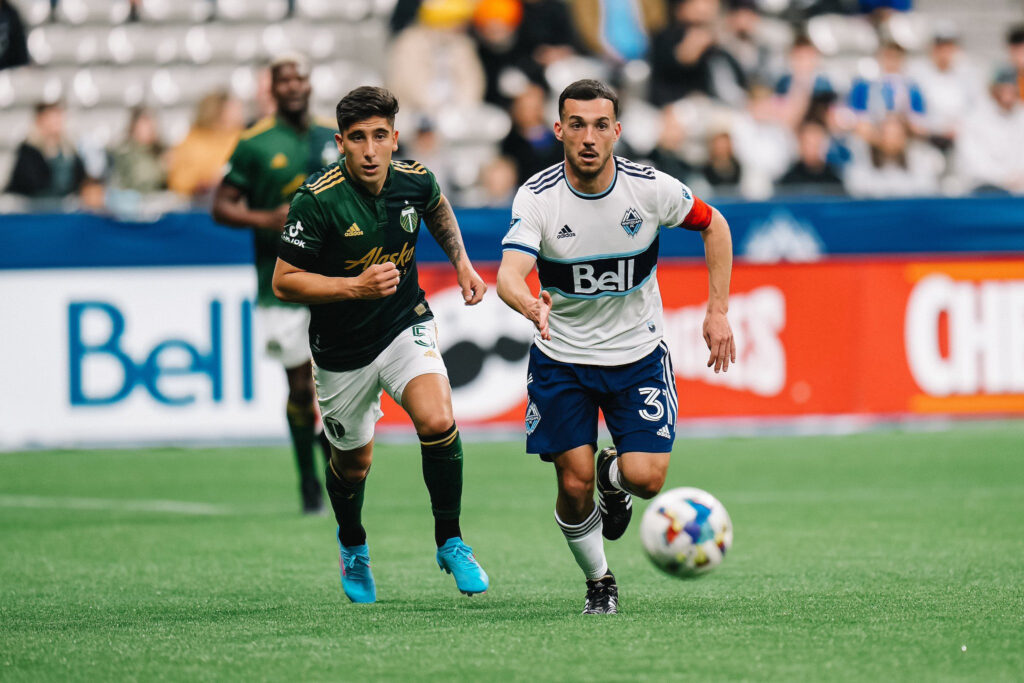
x=377, y=281
x=539, y=314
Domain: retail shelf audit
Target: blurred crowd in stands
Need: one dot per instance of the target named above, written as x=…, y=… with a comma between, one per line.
x=744, y=98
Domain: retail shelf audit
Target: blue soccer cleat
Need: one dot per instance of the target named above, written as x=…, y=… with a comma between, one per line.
x=455, y=557
x=356, y=577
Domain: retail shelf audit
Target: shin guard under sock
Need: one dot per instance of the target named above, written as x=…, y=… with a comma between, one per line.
x=442, y=473
x=347, y=502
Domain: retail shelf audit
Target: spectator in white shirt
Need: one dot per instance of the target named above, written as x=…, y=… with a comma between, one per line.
x=765, y=146
x=950, y=85
x=893, y=164
x=990, y=148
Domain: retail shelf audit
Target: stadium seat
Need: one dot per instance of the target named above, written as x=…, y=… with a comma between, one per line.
x=321, y=10
x=28, y=85
x=137, y=44
x=14, y=126
x=641, y=124
x=835, y=34
x=109, y=86
x=182, y=85
x=331, y=81
x=180, y=11
x=243, y=83
x=911, y=30
x=217, y=42
x=100, y=127
x=563, y=72
x=252, y=10
x=382, y=9
x=34, y=12
x=93, y=11
x=468, y=125
x=320, y=43
x=365, y=43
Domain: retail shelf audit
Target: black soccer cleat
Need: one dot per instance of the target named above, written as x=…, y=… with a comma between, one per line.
x=602, y=596
x=616, y=505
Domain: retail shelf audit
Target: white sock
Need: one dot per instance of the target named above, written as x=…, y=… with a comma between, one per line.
x=586, y=544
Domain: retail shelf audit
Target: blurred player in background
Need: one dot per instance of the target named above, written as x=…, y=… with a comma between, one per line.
x=271, y=161
x=591, y=225
x=349, y=251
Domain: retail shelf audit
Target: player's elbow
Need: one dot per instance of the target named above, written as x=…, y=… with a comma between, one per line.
x=281, y=289
x=284, y=294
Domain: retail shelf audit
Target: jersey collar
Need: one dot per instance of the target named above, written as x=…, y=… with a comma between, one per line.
x=602, y=193
x=359, y=186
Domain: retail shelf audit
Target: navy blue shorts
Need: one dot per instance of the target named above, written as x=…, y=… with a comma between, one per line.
x=638, y=401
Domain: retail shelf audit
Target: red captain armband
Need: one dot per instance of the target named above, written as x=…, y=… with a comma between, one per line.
x=699, y=217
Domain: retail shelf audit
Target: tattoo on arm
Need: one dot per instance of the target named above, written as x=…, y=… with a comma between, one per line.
x=445, y=229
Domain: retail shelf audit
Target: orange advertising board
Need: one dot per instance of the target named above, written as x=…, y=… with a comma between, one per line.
x=897, y=336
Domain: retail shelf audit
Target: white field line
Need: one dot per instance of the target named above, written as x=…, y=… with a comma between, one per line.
x=177, y=507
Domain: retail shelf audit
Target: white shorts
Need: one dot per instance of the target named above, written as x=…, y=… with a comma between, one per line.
x=350, y=401
x=285, y=333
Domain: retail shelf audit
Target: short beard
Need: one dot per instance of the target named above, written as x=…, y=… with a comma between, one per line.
x=585, y=174
x=294, y=116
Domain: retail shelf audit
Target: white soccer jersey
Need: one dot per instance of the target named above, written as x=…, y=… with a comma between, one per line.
x=597, y=256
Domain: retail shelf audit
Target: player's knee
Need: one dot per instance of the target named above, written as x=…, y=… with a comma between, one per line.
x=349, y=466
x=576, y=488
x=438, y=421
x=643, y=476
x=354, y=474
x=651, y=487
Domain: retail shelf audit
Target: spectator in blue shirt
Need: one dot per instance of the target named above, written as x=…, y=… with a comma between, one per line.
x=891, y=92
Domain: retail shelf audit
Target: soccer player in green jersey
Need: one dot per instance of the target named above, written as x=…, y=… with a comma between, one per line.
x=348, y=250
x=271, y=161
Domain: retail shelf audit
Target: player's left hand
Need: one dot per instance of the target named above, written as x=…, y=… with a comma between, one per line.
x=718, y=335
x=473, y=286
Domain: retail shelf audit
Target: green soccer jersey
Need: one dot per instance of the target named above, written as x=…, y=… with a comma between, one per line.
x=269, y=164
x=337, y=228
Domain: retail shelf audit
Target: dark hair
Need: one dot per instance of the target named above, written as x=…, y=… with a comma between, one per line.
x=802, y=39
x=587, y=89
x=46, y=105
x=1015, y=36
x=366, y=102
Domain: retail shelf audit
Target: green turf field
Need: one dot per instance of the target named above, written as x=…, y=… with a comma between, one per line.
x=875, y=556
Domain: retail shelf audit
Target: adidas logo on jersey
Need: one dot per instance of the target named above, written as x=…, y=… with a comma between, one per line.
x=664, y=432
x=566, y=231
x=353, y=231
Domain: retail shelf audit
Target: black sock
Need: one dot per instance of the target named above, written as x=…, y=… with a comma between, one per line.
x=301, y=425
x=347, y=502
x=442, y=472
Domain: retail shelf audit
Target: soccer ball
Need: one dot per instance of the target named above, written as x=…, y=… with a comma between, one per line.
x=686, y=532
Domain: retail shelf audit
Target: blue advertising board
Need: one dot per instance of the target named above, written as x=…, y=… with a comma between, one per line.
x=762, y=231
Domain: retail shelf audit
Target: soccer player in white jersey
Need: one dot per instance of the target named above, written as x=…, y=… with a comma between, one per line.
x=591, y=226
